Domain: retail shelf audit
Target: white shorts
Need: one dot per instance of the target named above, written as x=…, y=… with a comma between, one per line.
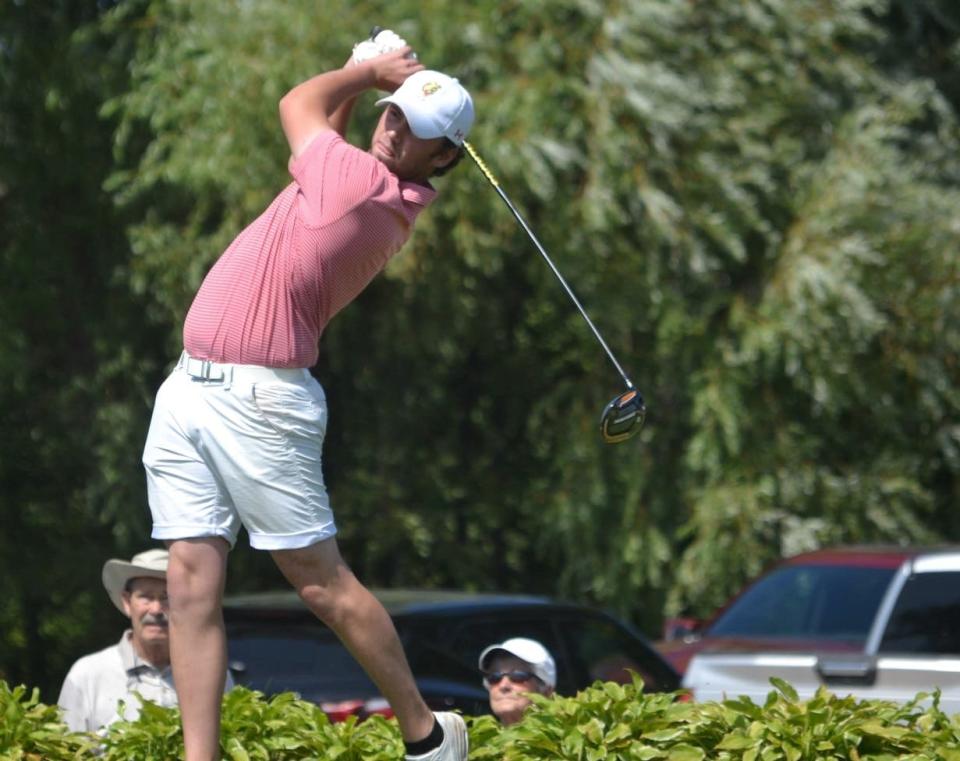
x=233, y=445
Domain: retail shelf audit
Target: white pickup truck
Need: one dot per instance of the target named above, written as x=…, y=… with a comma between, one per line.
x=913, y=646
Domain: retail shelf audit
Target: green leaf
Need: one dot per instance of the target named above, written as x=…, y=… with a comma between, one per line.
x=785, y=688
x=684, y=752
x=736, y=741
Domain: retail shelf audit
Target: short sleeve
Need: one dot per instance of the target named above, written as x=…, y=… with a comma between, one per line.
x=333, y=176
x=73, y=704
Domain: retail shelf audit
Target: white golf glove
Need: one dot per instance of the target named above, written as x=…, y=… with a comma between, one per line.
x=386, y=41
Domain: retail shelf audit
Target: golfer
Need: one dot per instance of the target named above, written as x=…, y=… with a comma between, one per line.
x=237, y=427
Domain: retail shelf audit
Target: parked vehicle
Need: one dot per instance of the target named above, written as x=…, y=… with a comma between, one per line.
x=275, y=644
x=825, y=600
x=887, y=641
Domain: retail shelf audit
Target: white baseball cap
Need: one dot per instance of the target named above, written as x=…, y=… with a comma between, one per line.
x=434, y=105
x=530, y=651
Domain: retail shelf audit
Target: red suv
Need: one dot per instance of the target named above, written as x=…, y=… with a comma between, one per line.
x=823, y=601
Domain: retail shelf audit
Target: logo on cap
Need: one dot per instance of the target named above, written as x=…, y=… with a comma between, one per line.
x=430, y=88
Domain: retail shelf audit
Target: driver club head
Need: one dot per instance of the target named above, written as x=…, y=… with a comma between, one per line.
x=623, y=417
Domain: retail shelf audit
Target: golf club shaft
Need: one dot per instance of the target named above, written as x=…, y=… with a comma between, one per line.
x=543, y=252
x=496, y=186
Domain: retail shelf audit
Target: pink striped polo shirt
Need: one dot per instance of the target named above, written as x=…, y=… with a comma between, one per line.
x=270, y=294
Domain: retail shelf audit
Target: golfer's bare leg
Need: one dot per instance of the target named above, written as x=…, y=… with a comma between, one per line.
x=198, y=647
x=336, y=597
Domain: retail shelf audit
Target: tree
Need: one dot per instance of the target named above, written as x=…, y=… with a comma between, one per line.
x=754, y=200
x=72, y=353
x=725, y=173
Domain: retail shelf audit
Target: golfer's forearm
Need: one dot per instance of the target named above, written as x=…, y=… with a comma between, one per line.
x=341, y=117
x=326, y=92
x=324, y=101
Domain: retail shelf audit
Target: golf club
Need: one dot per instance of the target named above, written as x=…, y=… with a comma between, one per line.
x=623, y=416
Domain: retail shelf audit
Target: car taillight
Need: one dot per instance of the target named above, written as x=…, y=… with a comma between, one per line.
x=341, y=710
x=377, y=706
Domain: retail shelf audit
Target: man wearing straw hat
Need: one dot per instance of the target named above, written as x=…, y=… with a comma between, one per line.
x=139, y=663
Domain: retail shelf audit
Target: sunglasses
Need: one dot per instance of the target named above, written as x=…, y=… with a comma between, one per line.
x=517, y=677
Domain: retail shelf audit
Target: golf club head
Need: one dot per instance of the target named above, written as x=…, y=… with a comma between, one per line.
x=623, y=417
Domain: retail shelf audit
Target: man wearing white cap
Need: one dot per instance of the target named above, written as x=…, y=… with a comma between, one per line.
x=140, y=662
x=238, y=426
x=511, y=671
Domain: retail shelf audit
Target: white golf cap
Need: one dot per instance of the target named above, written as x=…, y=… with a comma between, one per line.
x=434, y=105
x=528, y=650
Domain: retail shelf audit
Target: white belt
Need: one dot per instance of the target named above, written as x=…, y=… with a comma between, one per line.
x=217, y=373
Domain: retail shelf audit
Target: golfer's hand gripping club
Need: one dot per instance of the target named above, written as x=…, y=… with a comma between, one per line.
x=379, y=42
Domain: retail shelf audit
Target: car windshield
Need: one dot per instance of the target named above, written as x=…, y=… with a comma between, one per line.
x=835, y=603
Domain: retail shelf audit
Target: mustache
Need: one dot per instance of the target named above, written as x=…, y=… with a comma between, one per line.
x=159, y=620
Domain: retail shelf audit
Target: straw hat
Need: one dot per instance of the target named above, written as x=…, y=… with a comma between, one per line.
x=116, y=573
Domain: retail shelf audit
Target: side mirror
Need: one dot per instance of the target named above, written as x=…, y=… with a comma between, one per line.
x=682, y=629
x=847, y=670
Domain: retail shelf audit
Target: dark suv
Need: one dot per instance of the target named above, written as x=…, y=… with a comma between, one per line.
x=275, y=645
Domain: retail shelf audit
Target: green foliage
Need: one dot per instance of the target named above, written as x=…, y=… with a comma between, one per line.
x=755, y=200
x=867, y=241
x=605, y=721
x=741, y=195
x=277, y=729
x=74, y=395
x=31, y=731
x=609, y=721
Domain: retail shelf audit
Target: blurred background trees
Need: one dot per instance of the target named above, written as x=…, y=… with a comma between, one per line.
x=756, y=201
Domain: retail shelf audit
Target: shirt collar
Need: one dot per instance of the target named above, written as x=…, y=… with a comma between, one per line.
x=128, y=656
x=413, y=192
x=130, y=659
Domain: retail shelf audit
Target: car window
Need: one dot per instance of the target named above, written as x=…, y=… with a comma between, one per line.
x=608, y=653
x=808, y=601
x=926, y=617
x=435, y=655
x=275, y=659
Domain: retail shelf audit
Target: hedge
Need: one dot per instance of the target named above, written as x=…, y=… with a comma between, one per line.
x=604, y=721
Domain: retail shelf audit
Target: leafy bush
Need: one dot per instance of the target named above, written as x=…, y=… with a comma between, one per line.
x=255, y=728
x=31, y=731
x=605, y=721
x=611, y=721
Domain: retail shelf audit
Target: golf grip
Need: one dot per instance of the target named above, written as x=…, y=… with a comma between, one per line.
x=482, y=164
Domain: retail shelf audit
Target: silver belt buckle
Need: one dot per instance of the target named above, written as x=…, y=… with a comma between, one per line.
x=205, y=371
x=209, y=371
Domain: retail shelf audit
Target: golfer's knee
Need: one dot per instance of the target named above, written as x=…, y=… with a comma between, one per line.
x=194, y=602
x=197, y=562
x=192, y=593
